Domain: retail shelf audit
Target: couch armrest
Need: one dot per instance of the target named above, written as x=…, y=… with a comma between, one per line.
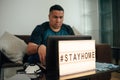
x=6, y=62
x=4, y=59
x=103, y=53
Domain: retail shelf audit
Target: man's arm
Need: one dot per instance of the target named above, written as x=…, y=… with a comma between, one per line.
x=42, y=53
x=32, y=48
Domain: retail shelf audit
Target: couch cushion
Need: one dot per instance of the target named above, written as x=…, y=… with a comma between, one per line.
x=13, y=47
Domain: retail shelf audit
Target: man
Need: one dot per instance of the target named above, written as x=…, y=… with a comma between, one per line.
x=37, y=45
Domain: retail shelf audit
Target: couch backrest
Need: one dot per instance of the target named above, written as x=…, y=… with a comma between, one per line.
x=103, y=51
x=26, y=38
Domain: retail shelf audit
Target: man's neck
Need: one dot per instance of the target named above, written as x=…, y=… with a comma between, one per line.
x=55, y=30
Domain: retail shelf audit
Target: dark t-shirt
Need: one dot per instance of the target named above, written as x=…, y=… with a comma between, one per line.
x=41, y=32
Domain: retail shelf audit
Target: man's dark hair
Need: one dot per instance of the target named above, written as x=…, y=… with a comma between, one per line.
x=56, y=7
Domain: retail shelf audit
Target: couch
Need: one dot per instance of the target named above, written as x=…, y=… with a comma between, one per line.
x=103, y=54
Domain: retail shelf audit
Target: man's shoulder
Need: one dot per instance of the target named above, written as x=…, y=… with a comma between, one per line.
x=41, y=27
x=43, y=24
x=66, y=26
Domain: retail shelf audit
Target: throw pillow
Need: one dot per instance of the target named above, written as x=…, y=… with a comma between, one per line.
x=13, y=47
x=76, y=32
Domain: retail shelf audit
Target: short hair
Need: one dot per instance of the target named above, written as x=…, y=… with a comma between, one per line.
x=56, y=7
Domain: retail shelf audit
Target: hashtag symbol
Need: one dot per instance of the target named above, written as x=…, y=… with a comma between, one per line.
x=61, y=58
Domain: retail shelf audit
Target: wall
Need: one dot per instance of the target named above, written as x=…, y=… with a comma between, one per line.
x=21, y=16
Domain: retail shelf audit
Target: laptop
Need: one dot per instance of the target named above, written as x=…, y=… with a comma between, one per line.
x=52, y=55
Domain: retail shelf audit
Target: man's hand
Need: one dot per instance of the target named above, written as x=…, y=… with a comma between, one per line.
x=41, y=50
x=42, y=53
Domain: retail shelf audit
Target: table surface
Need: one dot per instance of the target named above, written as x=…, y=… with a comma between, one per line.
x=100, y=68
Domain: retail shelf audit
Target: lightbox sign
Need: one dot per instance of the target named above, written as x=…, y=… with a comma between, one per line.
x=76, y=56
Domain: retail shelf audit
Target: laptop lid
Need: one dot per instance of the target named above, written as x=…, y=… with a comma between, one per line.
x=52, y=55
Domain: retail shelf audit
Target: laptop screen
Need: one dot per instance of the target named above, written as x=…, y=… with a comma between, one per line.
x=53, y=57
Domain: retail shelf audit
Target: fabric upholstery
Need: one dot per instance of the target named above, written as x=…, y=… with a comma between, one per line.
x=12, y=47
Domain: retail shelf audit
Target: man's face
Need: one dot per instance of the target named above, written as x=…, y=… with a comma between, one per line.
x=56, y=19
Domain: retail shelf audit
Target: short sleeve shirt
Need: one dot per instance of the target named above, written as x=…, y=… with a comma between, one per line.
x=41, y=32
